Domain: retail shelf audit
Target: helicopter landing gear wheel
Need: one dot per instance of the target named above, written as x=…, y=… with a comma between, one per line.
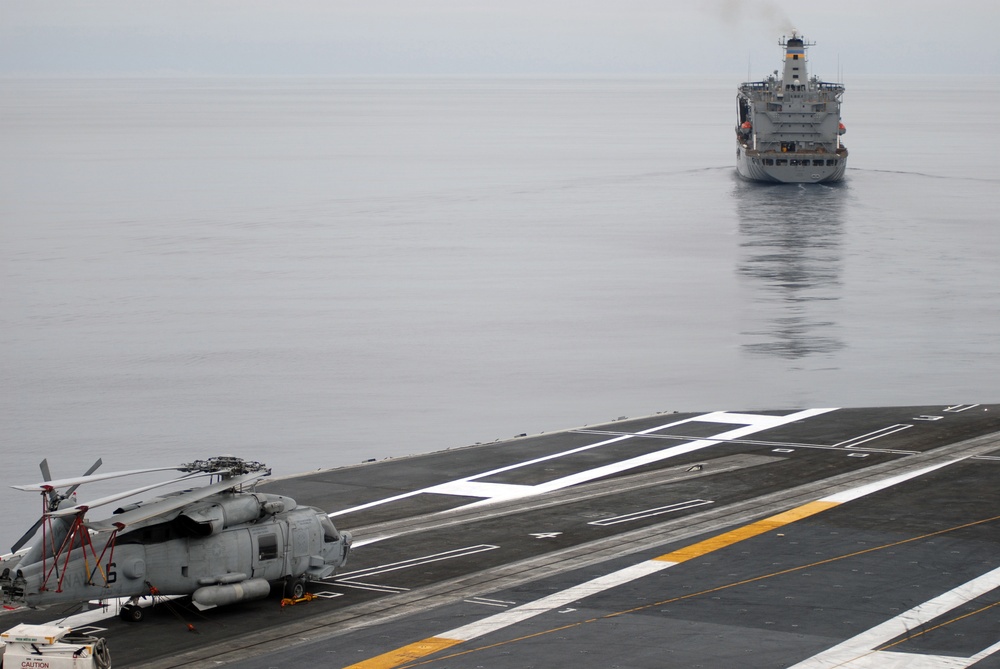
x=132, y=613
x=295, y=588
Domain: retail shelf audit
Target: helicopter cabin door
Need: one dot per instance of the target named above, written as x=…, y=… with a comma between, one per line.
x=304, y=536
x=268, y=552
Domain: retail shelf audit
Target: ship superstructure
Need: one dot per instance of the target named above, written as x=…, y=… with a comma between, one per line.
x=789, y=128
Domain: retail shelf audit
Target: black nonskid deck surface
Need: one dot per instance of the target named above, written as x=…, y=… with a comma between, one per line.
x=607, y=500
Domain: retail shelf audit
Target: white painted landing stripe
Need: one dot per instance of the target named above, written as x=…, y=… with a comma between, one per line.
x=506, y=492
x=492, y=492
x=859, y=652
x=554, y=601
x=855, y=493
x=494, y=623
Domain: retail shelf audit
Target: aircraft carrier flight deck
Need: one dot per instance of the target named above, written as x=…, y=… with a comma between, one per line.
x=861, y=538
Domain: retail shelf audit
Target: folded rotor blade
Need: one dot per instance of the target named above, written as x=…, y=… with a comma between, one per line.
x=169, y=504
x=73, y=510
x=66, y=483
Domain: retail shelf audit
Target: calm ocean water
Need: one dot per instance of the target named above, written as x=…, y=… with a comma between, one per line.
x=314, y=272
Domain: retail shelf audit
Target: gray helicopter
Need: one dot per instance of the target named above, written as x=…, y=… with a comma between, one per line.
x=221, y=543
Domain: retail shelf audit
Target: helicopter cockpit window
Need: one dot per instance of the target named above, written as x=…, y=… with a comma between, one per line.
x=267, y=547
x=330, y=533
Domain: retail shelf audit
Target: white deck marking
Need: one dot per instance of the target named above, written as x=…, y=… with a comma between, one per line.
x=554, y=601
x=501, y=603
x=639, y=515
x=352, y=579
x=412, y=562
x=89, y=630
x=491, y=491
x=600, y=584
x=471, y=486
x=862, y=491
x=747, y=442
x=387, y=589
x=877, y=434
x=327, y=594
x=859, y=652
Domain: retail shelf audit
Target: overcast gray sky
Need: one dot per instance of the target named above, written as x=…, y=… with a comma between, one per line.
x=318, y=37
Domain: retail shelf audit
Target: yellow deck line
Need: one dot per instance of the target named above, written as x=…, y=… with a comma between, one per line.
x=746, y=532
x=400, y=656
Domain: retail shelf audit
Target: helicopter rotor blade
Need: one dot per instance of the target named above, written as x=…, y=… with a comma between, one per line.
x=45, y=486
x=26, y=537
x=73, y=510
x=53, y=499
x=93, y=468
x=136, y=517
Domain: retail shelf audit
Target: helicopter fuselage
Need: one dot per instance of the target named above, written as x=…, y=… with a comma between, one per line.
x=222, y=549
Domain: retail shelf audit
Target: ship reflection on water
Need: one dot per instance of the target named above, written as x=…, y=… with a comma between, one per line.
x=790, y=262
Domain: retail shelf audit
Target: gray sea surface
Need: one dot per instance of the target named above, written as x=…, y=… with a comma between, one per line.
x=315, y=272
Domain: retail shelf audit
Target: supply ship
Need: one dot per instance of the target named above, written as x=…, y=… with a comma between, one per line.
x=789, y=128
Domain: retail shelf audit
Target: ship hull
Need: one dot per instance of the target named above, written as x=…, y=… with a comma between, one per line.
x=790, y=168
x=788, y=125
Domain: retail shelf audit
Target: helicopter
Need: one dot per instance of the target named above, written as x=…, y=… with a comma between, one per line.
x=221, y=543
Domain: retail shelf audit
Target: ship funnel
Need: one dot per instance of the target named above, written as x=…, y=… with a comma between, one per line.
x=795, y=73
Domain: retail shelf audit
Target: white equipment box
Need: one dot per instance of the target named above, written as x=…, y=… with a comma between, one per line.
x=52, y=647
